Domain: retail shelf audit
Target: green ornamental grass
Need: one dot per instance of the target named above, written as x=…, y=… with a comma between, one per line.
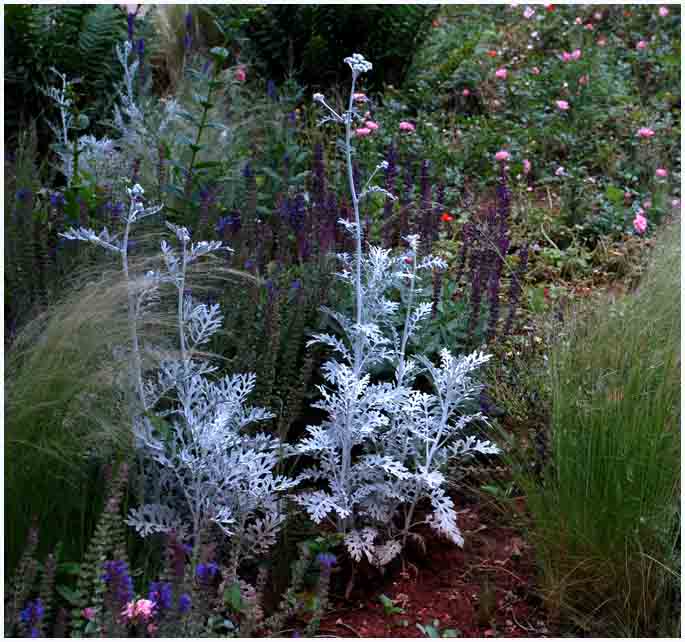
x=606, y=521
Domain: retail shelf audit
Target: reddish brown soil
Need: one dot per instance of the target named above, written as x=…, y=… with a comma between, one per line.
x=485, y=589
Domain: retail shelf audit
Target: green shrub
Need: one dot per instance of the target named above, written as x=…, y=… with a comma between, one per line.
x=318, y=37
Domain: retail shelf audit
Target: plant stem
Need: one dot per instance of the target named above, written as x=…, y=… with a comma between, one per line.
x=358, y=229
x=132, y=317
x=200, y=130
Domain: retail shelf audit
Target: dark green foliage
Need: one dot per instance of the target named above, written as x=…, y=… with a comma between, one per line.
x=78, y=40
x=318, y=37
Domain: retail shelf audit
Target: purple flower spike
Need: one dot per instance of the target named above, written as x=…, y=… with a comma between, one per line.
x=327, y=560
x=184, y=603
x=130, y=20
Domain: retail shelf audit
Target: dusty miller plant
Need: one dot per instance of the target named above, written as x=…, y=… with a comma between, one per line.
x=222, y=474
x=205, y=464
x=384, y=445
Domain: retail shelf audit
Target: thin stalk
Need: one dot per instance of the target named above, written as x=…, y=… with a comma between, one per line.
x=201, y=127
x=358, y=227
x=132, y=317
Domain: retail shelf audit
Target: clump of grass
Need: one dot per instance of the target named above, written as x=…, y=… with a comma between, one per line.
x=58, y=388
x=606, y=520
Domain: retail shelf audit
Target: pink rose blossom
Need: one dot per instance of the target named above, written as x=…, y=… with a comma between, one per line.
x=527, y=166
x=369, y=124
x=579, y=20
x=129, y=611
x=598, y=15
x=663, y=11
x=362, y=131
x=406, y=126
x=641, y=45
x=535, y=71
x=576, y=54
x=240, y=74
x=145, y=608
x=141, y=608
x=601, y=42
x=528, y=13
x=501, y=73
x=563, y=105
x=502, y=155
x=465, y=92
x=647, y=204
x=566, y=56
x=640, y=222
x=661, y=172
x=645, y=132
x=589, y=26
x=88, y=613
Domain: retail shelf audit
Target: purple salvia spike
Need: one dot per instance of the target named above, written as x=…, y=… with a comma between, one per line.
x=515, y=289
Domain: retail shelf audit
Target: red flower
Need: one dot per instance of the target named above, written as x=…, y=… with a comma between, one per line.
x=446, y=217
x=549, y=7
x=492, y=53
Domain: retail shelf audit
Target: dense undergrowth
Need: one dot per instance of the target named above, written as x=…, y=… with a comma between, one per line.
x=534, y=151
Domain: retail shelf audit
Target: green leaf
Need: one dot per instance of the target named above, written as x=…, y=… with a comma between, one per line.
x=219, y=53
x=207, y=164
x=614, y=194
x=233, y=598
x=70, y=595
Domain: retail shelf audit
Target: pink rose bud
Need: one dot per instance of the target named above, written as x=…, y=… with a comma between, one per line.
x=362, y=131
x=641, y=45
x=240, y=74
x=563, y=105
x=501, y=73
x=576, y=54
x=566, y=56
x=535, y=71
x=465, y=92
x=645, y=132
x=527, y=166
x=369, y=124
x=502, y=155
x=88, y=613
x=663, y=11
x=601, y=42
x=640, y=223
x=406, y=126
x=661, y=172
x=589, y=26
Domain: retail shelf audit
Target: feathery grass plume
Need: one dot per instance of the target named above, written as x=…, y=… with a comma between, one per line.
x=606, y=521
x=62, y=411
